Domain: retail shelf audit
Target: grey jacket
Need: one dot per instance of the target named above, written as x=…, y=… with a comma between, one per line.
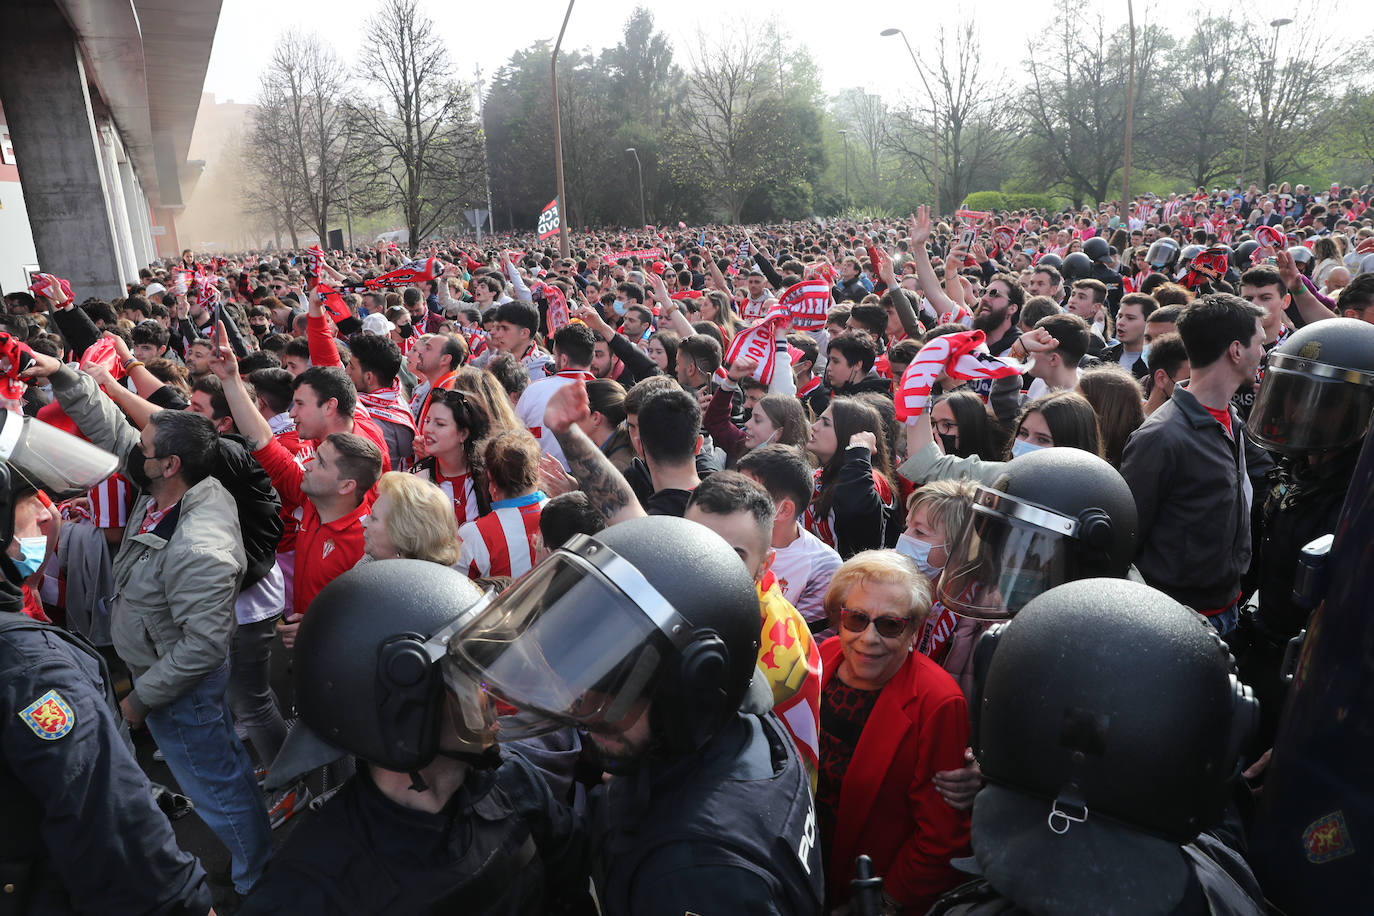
x=1193, y=488
x=172, y=615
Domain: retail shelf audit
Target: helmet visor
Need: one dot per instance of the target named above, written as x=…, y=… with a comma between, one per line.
x=1304, y=406
x=50, y=458
x=568, y=644
x=1010, y=551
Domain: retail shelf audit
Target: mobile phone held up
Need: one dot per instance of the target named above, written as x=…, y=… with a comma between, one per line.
x=968, y=237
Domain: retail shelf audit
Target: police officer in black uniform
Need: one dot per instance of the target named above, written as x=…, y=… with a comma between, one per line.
x=1108, y=781
x=1100, y=252
x=1313, y=409
x=79, y=829
x=436, y=819
x=646, y=637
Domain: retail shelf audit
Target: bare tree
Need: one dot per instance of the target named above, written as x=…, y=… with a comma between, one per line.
x=266, y=163
x=869, y=121
x=976, y=131
x=418, y=127
x=725, y=119
x=1200, y=130
x=1293, y=75
x=1075, y=106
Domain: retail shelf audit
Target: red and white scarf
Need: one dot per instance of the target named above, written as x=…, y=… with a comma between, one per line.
x=387, y=404
x=759, y=343
x=962, y=355
x=807, y=303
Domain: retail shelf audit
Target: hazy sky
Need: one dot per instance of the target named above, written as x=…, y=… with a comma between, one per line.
x=844, y=39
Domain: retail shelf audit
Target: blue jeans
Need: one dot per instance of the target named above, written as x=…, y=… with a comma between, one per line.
x=1226, y=621
x=196, y=735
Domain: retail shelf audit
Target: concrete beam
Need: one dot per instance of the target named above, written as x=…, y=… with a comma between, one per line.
x=57, y=149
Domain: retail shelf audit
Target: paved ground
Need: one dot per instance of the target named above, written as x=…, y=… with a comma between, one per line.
x=192, y=833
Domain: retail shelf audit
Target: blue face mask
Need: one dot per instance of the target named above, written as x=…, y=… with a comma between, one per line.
x=1021, y=447
x=620, y=307
x=919, y=551
x=1145, y=354
x=32, y=552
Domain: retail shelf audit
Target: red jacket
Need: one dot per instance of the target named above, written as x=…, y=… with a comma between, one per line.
x=323, y=551
x=324, y=352
x=889, y=809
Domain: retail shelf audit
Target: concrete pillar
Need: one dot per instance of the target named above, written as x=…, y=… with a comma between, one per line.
x=137, y=211
x=110, y=152
x=56, y=147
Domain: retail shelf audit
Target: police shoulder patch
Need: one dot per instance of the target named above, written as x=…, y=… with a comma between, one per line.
x=49, y=717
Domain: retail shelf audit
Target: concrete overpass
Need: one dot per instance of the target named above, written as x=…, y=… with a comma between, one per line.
x=99, y=98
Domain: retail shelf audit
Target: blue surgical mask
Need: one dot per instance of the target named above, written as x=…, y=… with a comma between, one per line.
x=32, y=552
x=620, y=307
x=1145, y=354
x=1021, y=447
x=919, y=551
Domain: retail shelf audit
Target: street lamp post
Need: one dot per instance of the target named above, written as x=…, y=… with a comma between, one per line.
x=845, y=134
x=1266, y=100
x=934, y=113
x=643, y=218
x=1130, y=117
x=564, y=249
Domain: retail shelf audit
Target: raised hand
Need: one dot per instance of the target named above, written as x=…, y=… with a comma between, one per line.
x=567, y=407
x=919, y=226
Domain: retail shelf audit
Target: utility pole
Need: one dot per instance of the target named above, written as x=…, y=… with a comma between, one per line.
x=564, y=249
x=1130, y=117
x=486, y=157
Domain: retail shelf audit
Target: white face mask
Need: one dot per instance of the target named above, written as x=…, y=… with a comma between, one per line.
x=919, y=551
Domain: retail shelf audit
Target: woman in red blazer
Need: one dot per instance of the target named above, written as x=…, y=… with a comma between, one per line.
x=890, y=719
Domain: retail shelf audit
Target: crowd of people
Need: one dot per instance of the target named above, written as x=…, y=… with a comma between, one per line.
x=906, y=432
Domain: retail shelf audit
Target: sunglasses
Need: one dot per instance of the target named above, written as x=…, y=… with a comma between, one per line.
x=887, y=626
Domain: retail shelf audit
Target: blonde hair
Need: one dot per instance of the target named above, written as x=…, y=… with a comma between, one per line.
x=421, y=523
x=947, y=505
x=484, y=385
x=880, y=567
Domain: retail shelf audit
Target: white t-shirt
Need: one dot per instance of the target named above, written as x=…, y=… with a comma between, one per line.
x=1038, y=387
x=803, y=570
x=530, y=408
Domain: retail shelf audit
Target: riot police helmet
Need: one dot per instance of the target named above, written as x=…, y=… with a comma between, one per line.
x=1244, y=252
x=1052, y=516
x=1317, y=392
x=1050, y=260
x=1091, y=740
x=368, y=672
x=1076, y=266
x=654, y=613
x=1097, y=248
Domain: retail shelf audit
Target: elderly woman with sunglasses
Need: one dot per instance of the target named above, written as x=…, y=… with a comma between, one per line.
x=890, y=720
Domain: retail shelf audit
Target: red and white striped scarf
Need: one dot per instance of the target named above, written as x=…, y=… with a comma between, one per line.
x=807, y=303
x=387, y=404
x=759, y=343
x=962, y=355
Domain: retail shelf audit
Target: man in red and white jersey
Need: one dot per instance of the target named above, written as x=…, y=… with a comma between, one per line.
x=501, y=543
x=573, y=347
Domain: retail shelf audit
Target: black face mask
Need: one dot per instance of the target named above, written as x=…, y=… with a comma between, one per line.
x=407, y=330
x=134, y=468
x=950, y=444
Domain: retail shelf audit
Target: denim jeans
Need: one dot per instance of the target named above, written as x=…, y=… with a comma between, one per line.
x=250, y=691
x=1226, y=621
x=195, y=734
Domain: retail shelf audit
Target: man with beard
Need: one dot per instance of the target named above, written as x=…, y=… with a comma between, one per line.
x=998, y=310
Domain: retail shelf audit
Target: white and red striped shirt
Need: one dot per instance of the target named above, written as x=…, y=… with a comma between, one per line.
x=462, y=493
x=111, y=500
x=501, y=543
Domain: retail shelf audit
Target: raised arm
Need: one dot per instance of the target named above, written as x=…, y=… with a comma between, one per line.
x=925, y=271
x=249, y=420
x=599, y=479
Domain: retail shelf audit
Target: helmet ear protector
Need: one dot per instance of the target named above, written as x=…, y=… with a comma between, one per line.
x=410, y=685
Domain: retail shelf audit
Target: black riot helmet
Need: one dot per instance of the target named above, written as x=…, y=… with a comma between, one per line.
x=1097, y=248
x=1050, y=260
x=1244, y=252
x=1317, y=392
x=367, y=672
x=1136, y=716
x=1162, y=253
x=654, y=612
x=1076, y=266
x=1052, y=516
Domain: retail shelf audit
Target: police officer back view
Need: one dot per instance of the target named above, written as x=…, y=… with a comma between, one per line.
x=436, y=820
x=646, y=636
x=1106, y=796
x=79, y=829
